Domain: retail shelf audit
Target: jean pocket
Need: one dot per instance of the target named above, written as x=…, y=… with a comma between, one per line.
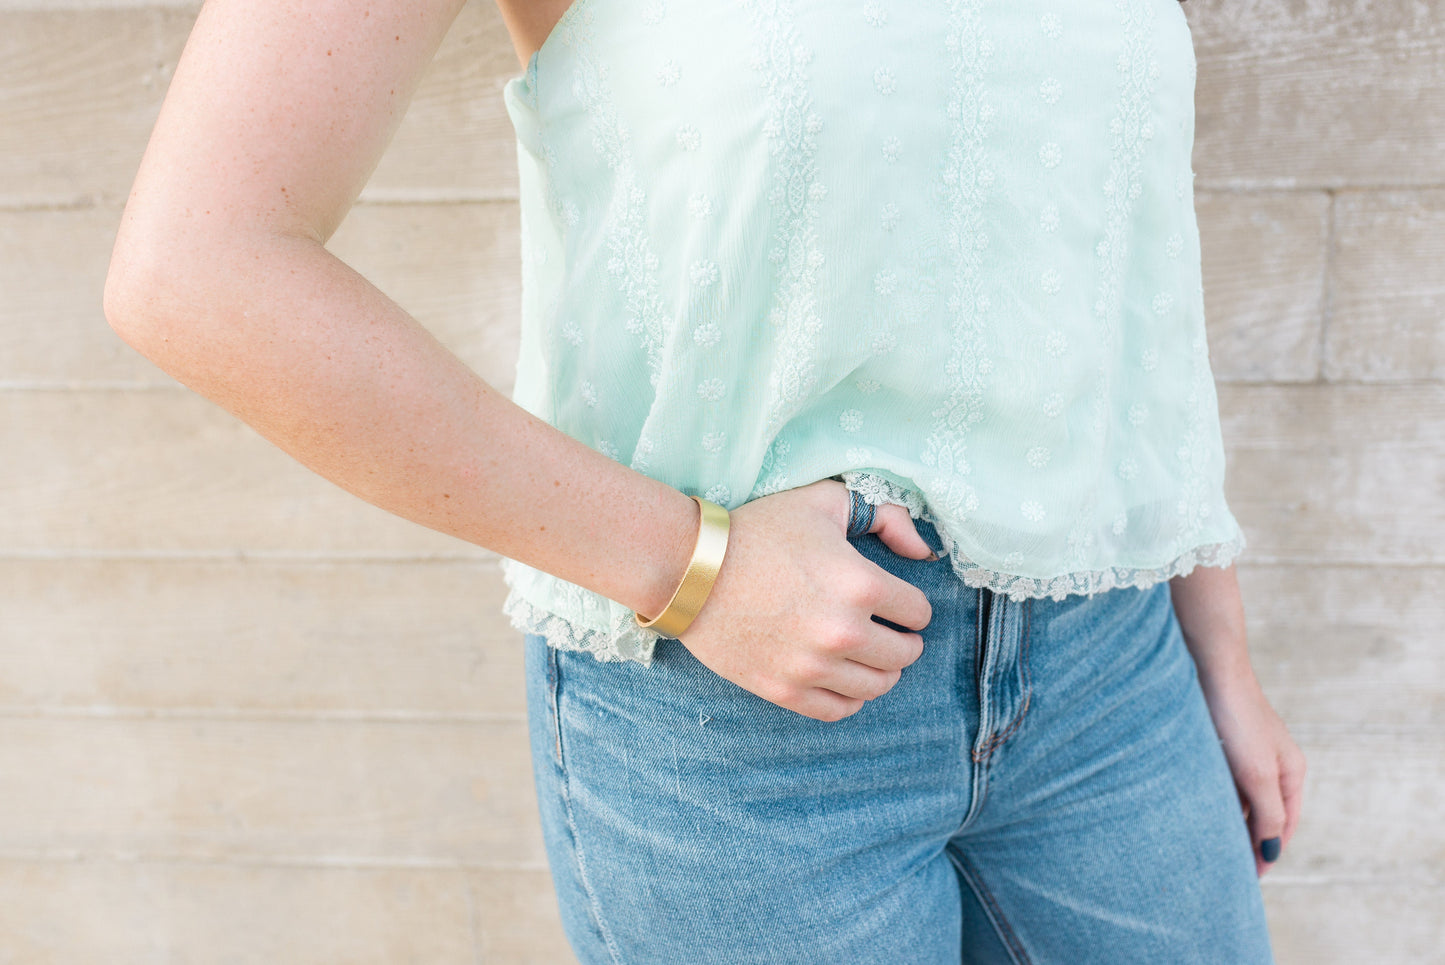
x=860, y=515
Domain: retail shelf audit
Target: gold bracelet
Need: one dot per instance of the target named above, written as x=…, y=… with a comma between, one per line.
x=702, y=570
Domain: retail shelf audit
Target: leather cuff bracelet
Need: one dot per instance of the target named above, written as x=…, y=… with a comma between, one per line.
x=702, y=570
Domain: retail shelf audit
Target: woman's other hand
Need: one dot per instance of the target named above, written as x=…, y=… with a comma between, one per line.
x=790, y=617
x=1268, y=766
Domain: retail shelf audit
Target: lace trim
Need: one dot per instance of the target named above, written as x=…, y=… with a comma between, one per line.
x=878, y=491
x=611, y=646
x=624, y=640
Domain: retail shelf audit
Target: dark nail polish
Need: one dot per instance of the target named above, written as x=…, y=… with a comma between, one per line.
x=1269, y=849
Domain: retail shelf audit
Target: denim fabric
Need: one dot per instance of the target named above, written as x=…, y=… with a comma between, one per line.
x=1043, y=785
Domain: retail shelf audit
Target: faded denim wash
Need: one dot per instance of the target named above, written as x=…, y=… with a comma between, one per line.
x=1044, y=785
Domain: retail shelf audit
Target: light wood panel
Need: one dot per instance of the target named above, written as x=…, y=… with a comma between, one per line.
x=141, y=912
x=1388, y=287
x=80, y=91
x=165, y=470
x=455, y=267
x=1380, y=921
x=1325, y=93
x=313, y=792
x=1337, y=473
x=1264, y=283
x=254, y=637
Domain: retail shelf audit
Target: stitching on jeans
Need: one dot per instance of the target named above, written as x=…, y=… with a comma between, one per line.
x=1000, y=736
x=552, y=699
x=564, y=784
x=991, y=908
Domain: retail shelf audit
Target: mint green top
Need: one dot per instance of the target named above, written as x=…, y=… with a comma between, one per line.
x=944, y=248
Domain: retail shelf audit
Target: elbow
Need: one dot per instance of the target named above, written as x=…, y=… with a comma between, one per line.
x=166, y=291
x=138, y=290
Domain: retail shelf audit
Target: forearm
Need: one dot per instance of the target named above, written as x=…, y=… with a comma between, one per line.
x=288, y=338
x=1211, y=613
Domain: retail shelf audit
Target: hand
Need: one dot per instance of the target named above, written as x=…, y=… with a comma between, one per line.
x=790, y=617
x=1268, y=767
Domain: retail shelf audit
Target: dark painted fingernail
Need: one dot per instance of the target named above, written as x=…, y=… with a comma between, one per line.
x=1269, y=849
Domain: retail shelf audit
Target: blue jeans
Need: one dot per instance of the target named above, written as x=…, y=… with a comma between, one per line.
x=1043, y=785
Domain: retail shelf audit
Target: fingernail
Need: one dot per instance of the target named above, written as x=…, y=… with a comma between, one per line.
x=1269, y=849
x=930, y=557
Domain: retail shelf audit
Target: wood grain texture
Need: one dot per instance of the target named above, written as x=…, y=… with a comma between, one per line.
x=1264, y=274
x=80, y=90
x=237, y=637
x=1388, y=287
x=1318, y=93
x=1337, y=473
x=166, y=471
x=1389, y=922
x=1348, y=645
x=315, y=792
x=142, y=912
x=455, y=267
x=1372, y=806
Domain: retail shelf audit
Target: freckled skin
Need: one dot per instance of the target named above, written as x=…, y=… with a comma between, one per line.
x=277, y=114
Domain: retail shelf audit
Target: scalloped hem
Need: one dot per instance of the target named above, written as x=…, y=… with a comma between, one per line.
x=633, y=643
x=624, y=640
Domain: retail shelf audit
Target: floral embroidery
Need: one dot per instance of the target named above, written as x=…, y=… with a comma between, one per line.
x=1049, y=218
x=704, y=273
x=783, y=61
x=978, y=268
x=711, y=390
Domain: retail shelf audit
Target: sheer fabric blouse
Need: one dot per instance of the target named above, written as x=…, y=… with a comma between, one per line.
x=943, y=249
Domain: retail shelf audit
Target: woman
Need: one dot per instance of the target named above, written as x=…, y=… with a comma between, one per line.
x=913, y=291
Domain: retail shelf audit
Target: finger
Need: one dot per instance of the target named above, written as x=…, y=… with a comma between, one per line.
x=822, y=704
x=1291, y=785
x=899, y=601
x=887, y=649
x=896, y=529
x=1266, y=814
x=849, y=678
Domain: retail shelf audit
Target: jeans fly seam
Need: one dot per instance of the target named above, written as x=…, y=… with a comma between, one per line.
x=1013, y=725
x=577, y=856
x=991, y=907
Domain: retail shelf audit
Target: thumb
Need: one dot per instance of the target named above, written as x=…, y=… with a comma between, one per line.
x=895, y=528
x=1266, y=815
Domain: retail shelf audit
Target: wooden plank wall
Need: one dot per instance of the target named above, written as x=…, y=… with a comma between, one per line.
x=245, y=717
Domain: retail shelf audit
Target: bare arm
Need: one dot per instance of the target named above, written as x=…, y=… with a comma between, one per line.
x=1267, y=764
x=278, y=113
